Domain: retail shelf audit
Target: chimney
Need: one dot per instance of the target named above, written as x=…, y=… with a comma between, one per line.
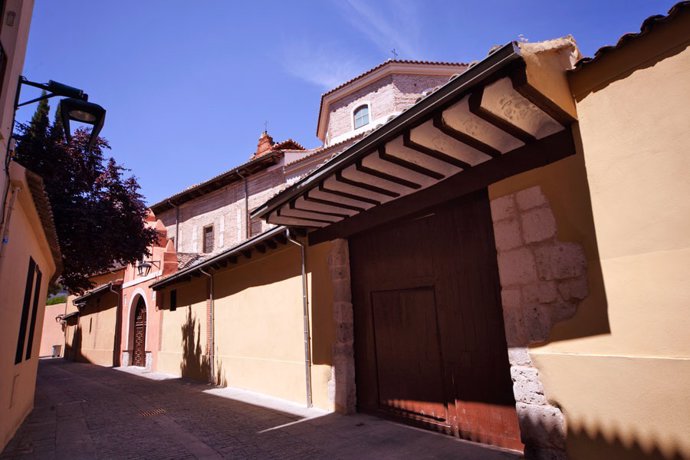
x=265, y=144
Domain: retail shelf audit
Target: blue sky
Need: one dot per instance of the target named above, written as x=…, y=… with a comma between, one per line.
x=189, y=85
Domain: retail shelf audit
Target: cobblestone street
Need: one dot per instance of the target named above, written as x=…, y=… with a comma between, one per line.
x=85, y=411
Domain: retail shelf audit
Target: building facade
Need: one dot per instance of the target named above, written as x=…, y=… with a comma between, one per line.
x=244, y=302
x=546, y=273
x=29, y=252
x=496, y=252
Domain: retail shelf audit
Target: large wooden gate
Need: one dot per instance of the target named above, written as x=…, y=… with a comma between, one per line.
x=139, y=358
x=430, y=347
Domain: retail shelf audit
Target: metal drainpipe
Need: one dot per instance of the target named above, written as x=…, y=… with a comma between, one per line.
x=118, y=309
x=9, y=153
x=247, y=224
x=177, y=223
x=212, y=328
x=6, y=228
x=305, y=311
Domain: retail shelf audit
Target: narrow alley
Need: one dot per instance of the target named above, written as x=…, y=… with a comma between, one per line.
x=87, y=411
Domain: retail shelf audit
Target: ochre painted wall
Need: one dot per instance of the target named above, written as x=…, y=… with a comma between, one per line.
x=18, y=381
x=620, y=368
x=184, y=332
x=97, y=329
x=53, y=333
x=259, y=338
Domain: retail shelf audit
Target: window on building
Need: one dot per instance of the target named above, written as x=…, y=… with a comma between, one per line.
x=208, y=239
x=33, y=280
x=255, y=227
x=34, y=313
x=361, y=115
x=173, y=300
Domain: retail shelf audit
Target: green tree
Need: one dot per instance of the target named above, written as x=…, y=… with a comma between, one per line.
x=99, y=214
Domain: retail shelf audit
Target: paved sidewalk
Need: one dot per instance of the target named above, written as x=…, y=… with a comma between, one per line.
x=85, y=411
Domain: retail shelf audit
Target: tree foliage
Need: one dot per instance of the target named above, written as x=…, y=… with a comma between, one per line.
x=99, y=214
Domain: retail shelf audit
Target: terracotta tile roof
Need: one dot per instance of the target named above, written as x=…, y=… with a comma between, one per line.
x=288, y=144
x=228, y=176
x=647, y=25
x=216, y=182
x=185, y=259
x=391, y=61
x=221, y=257
x=338, y=147
x=80, y=301
x=45, y=214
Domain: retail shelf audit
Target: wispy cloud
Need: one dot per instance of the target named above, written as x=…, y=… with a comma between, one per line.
x=322, y=64
x=386, y=24
x=392, y=24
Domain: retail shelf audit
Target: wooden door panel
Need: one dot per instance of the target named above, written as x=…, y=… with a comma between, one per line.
x=410, y=372
x=464, y=373
x=139, y=358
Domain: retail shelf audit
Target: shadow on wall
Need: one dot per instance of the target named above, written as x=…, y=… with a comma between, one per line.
x=321, y=305
x=195, y=364
x=607, y=443
x=73, y=349
x=596, y=440
x=220, y=379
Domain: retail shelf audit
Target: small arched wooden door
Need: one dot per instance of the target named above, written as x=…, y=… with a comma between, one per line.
x=140, y=334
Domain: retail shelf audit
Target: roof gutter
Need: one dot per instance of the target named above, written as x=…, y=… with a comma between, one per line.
x=218, y=258
x=80, y=301
x=500, y=59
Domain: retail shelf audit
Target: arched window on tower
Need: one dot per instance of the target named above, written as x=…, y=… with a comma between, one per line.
x=361, y=116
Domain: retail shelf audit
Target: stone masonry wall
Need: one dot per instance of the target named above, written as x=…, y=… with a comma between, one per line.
x=542, y=282
x=224, y=209
x=341, y=386
x=387, y=96
x=380, y=96
x=408, y=88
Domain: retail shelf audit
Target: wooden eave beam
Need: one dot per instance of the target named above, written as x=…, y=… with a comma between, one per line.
x=475, y=105
x=546, y=105
x=311, y=199
x=547, y=150
x=408, y=164
x=433, y=153
x=363, y=199
x=445, y=128
x=293, y=205
x=372, y=188
x=385, y=176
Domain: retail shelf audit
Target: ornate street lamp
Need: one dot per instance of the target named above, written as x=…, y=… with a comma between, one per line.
x=75, y=107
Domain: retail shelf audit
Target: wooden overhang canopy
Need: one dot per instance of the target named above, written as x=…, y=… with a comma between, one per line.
x=268, y=240
x=506, y=114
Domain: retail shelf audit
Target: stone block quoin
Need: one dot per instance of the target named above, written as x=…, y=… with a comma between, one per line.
x=342, y=383
x=542, y=280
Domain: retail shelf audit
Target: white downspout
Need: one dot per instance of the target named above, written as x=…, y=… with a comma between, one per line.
x=211, y=331
x=305, y=312
x=6, y=229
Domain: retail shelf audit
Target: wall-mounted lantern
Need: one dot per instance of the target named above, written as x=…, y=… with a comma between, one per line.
x=144, y=267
